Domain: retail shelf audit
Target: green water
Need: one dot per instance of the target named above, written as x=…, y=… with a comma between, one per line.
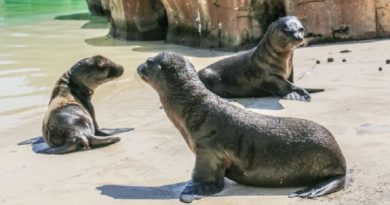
x=16, y=12
x=34, y=50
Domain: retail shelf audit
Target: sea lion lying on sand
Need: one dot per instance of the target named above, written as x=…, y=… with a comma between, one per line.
x=264, y=70
x=70, y=122
x=246, y=147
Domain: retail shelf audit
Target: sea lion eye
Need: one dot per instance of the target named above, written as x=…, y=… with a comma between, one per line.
x=153, y=64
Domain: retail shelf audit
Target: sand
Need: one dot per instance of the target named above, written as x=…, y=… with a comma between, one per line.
x=151, y=164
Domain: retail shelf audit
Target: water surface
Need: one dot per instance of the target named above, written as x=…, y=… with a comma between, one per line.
x=35, y=49
x=23, y=68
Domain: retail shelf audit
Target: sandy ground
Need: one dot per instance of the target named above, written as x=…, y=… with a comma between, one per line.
x=151, y=164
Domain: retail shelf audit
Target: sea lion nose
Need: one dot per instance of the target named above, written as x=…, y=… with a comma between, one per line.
x=299, y=36
x=141, y=69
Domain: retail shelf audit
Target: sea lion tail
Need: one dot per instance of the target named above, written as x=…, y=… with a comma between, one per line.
x=329, y=186
x=314, y=90
x=32, y=141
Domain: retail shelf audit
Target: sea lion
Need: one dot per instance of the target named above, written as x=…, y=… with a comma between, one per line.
x=246, y=147
x=264, y=70
x=70, y=121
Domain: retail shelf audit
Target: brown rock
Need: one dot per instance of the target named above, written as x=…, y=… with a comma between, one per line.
x=383, y=17
x=241, y=23
x=342, y=18
x=220, y=23
x=137, y=19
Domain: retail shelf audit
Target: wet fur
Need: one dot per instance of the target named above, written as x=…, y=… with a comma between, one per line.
x=246, y=147
x=262, y=71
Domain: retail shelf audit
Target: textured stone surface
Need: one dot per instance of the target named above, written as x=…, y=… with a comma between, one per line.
x=342, y=18
x=219, y=23
x=235, y=24
x=137, y=19
x=383, y=17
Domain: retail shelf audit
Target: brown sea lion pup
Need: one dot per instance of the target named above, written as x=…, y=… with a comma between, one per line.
x=70, y=123
x=246, y=147
x=264, y=70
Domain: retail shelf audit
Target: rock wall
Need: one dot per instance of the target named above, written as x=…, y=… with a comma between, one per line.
x=218, y=23
x=345, y=19
x=137, y=19
x=232, y=24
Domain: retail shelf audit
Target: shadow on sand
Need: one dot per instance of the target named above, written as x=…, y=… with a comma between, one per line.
x=94, y=22
x=154, y=47
x=172, y=191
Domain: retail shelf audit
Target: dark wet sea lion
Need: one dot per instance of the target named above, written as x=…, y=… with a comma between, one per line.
x=246, y=147
x=70, y=123
x=264, y=70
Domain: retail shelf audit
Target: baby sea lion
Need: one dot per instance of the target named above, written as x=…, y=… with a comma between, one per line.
x=70, y=122
x=264, y=70
x=246, y=147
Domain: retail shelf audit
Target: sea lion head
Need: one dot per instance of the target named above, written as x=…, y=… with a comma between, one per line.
x=287, y=33
x=167, y=71
x=94, y=71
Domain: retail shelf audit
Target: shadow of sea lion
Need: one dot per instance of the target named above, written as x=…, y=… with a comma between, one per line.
x=265, y=103
x=154, y=46
x=38, y=144
x=94, y=22
x=172, y=191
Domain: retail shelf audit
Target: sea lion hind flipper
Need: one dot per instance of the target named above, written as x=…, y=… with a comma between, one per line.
x=98, y=141
x=34, y=140
x=66, y=148
x=314, y=90
x=298, y=96
x=324, y=188
x=113, y=131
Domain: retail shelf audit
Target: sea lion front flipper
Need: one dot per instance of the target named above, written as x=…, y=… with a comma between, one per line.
x=114, y=131
x=299, y=95
x=207, y=179
x=66, y=148
x=96, y=141
x=285, y=89
x=326, y=187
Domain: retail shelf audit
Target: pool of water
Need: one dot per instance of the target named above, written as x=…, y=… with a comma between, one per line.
x=23, y=78
x=36, y=49
x=16, y=12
